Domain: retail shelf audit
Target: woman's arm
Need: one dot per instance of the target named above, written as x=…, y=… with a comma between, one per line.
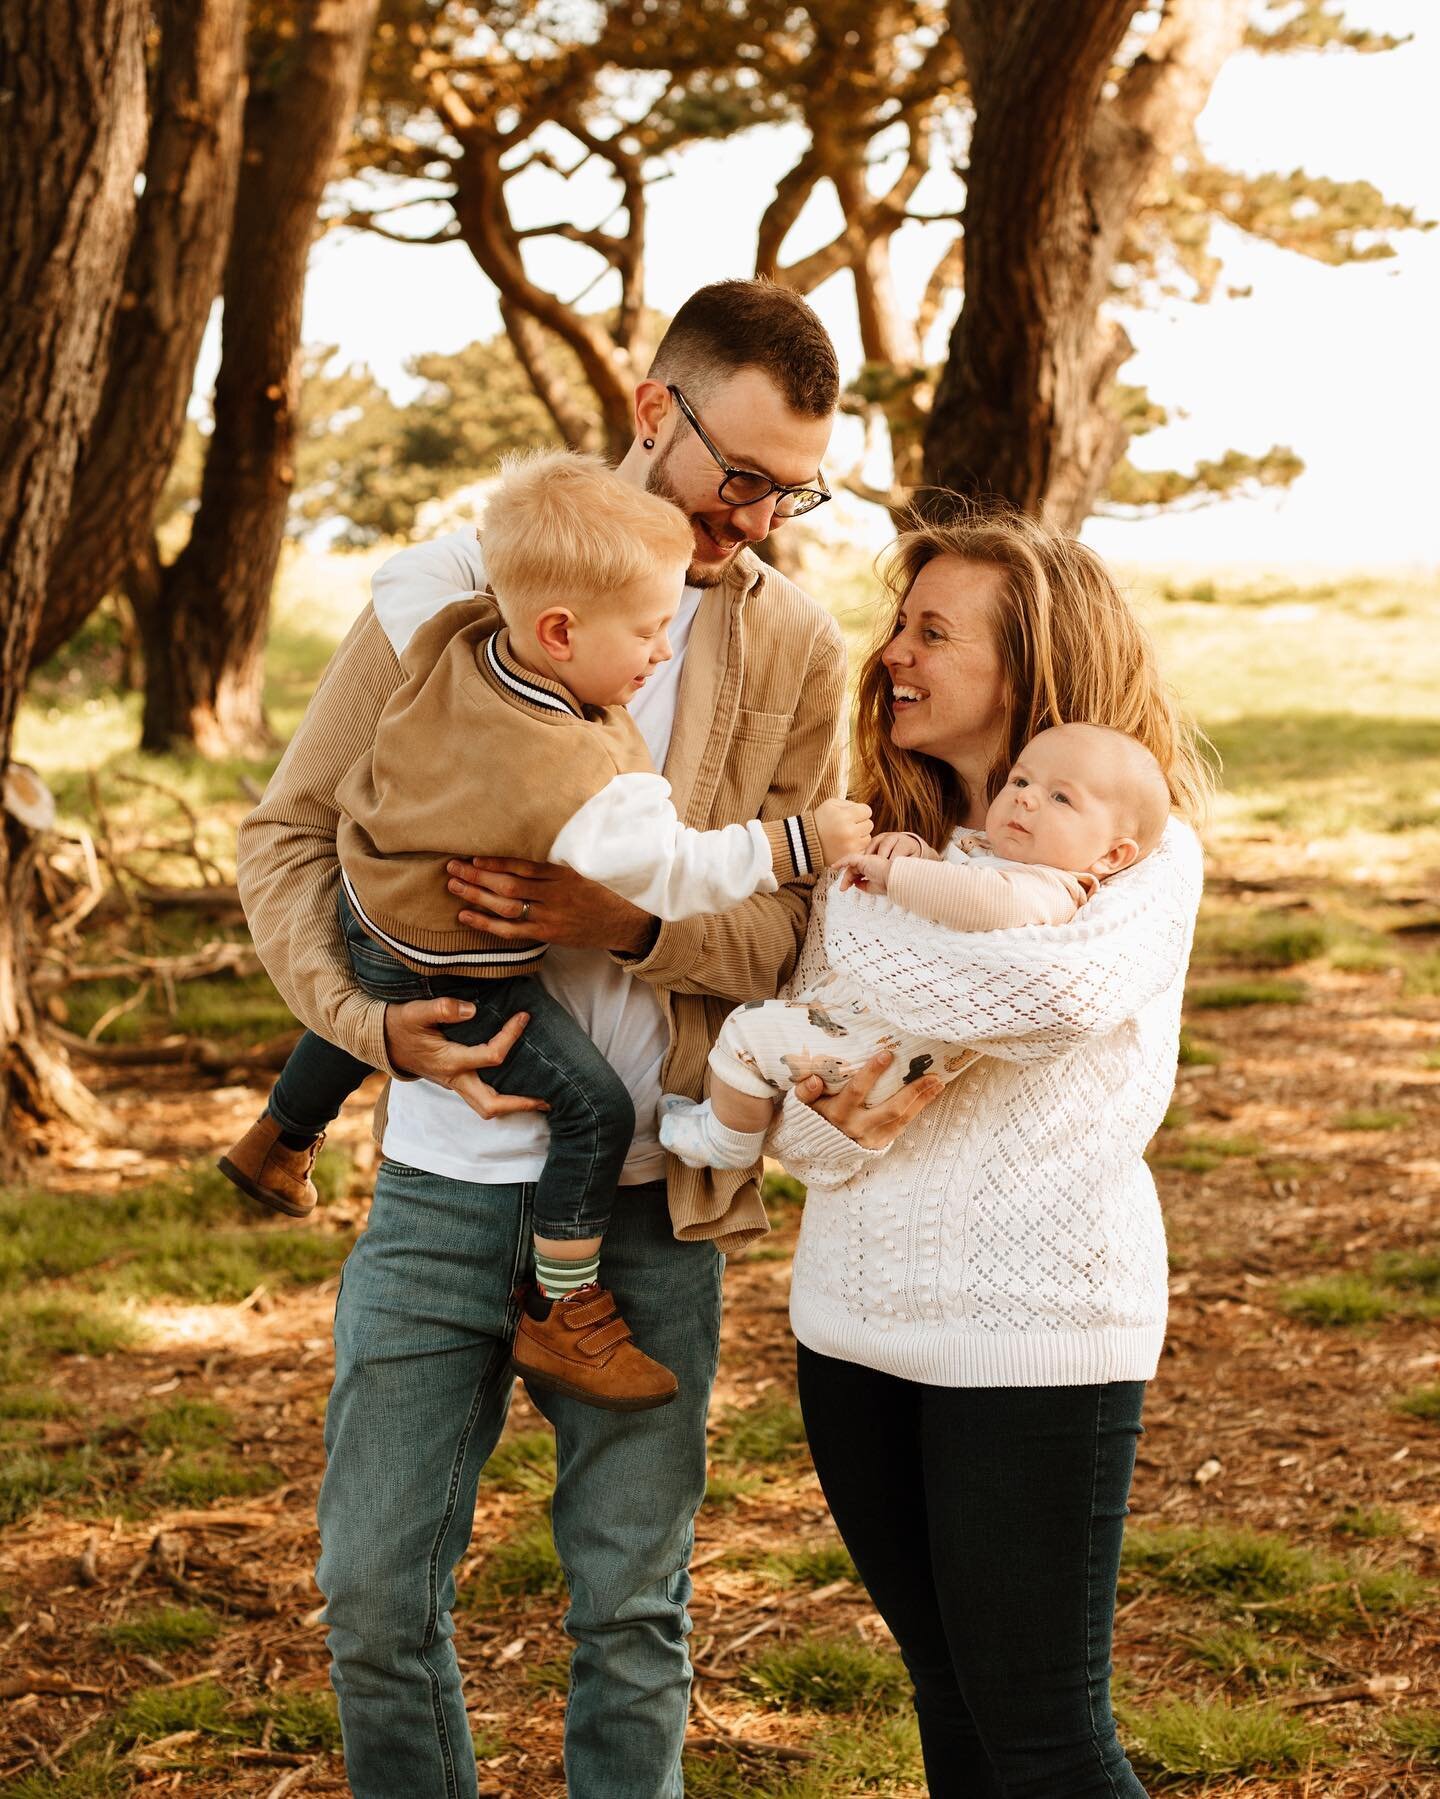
x=1031, y=994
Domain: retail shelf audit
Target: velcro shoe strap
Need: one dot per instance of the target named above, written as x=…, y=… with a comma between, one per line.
x=606, y=1337
x=579, y=1314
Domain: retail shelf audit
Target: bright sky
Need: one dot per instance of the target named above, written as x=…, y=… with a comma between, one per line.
x=1341, y=364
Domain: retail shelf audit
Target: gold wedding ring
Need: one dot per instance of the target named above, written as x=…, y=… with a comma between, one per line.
x=524, y=910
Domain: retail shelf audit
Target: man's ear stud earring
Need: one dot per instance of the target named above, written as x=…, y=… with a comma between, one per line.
x=649, y=443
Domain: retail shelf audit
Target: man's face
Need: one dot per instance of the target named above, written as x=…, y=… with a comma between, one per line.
x=753, y=428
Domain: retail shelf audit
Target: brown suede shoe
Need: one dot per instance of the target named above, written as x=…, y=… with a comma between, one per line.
x=262, y=1166
x=582, y=1347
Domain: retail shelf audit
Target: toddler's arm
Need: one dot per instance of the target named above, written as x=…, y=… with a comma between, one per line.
x=631, y=840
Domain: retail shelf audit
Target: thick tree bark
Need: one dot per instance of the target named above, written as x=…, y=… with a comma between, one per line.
x=205, y=683
x=72, y=135
x=1021, y=408
x=181, y=233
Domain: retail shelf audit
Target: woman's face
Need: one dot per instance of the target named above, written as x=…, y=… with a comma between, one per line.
x=944, y=665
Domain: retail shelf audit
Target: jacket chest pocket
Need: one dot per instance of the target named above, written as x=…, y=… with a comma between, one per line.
x=756, y=746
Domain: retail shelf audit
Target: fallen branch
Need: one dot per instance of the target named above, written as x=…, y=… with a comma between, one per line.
x=19, y=1686
x=184, y=1052
x=780, y=1752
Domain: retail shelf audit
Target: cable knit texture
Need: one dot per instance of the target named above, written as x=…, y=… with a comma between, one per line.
x=1012, y=1235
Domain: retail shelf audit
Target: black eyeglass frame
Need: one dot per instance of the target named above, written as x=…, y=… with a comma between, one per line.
x=729, y=472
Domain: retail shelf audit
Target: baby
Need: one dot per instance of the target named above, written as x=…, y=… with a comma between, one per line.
x=1081, y=804
x=517, y=742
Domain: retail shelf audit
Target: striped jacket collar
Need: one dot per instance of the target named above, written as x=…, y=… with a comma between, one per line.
x=520, y=685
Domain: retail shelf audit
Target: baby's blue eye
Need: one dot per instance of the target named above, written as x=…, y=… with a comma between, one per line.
x=1063, y=799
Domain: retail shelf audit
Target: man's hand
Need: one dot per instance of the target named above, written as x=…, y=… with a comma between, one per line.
x=872, y=1127
x=543, y=902
x=414, y=1043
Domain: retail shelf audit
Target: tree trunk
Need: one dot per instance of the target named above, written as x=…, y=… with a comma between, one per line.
x=214, y=602
x=1022, y=408
x=173, y=275
x=72, y=135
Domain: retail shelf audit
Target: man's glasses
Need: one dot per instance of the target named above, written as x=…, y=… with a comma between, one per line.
x=743, y=487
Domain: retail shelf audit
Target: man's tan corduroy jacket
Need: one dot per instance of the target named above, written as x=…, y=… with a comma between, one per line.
x=759, y=733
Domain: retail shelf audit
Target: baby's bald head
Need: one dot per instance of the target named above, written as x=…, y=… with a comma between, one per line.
x=1081, y=797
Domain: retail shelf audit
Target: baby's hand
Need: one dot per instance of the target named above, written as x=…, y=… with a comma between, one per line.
x=844, y=828
x=870, y=872
x=896, y=843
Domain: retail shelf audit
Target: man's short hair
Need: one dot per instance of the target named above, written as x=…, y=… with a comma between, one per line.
x=561, y=527
x=734, y=325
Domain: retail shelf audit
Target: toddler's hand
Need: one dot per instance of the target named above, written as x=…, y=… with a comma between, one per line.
x=844, y=828
x=870, y=872
x=896, y=843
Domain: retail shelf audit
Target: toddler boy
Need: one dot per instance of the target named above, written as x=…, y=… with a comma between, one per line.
x=518, y=742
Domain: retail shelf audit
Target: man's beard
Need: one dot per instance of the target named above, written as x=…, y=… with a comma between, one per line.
x=698, y=574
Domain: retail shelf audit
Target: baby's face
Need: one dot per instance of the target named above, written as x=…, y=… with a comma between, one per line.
x=1060, y=807
x=618, y=644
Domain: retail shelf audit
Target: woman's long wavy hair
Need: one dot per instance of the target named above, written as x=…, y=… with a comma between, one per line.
x=1071, y=651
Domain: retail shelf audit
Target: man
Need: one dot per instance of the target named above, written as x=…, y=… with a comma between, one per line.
x=746, y=720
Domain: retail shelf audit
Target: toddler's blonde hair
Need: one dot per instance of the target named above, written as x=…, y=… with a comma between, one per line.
x=564, y=529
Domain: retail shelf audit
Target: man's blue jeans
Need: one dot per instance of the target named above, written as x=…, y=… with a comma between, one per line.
x=422, y=1383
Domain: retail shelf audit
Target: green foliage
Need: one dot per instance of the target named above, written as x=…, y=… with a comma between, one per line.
x=523, y=1462
x=81, y=1776
x=1131, y=490
x=1297, y=1587
x=816, y=1565
x=302, y=1722
x=169, y=1631
x=161, y=1711
x=1337, y=1299
x=1424, y=1403
x=1374, y=1118
x=186, y=1424
x=829, y=1674
x=521, y=1566
x=1241, y=1651
x=1368, y=1522
x=1286, y=25
x=780, y=1190
x=1210, y=1737
x=367, y=461
x=1227, y=996
x=1195, y=1054
x=1416, y=1734
x=192, y=1237
x=1250, y=939
x=771, y=1431
x=722, y=1491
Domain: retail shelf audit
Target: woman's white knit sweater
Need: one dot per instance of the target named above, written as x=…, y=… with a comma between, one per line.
x=1011, y=1237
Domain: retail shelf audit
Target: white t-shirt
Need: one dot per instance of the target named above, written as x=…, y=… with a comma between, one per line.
x=428, y=1126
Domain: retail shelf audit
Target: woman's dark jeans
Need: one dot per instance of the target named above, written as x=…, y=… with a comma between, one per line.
x=986, y=1523
x=591, y=1117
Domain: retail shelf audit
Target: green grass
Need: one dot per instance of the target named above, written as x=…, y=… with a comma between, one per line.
x=780, y=1190
x=722, y=1491
x=1258, y=940
x=1229, y=996
x=1415, y=1734
x=1424, y=1403
x=769, y=1432
x=1290, y=1586
x=169, y=1631
x=1241, y=1651
x=96, y=1775
x=1196, y=1054
x=1200, y=1154
x=829, y=1674
x=1370, y=1522
x=33, y=1403
x=1181, y=1736
x=242, y=1007
x=816, y=1565
x=34, y=1329
x=192, y=1237
x=523, y=1462
x=521, y=1566
x=1401, y=1284
x=300, y=1721
x=161, y=1711
x=1374, y=1119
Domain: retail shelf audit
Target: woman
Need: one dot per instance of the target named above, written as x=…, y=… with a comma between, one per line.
x=979, y=1307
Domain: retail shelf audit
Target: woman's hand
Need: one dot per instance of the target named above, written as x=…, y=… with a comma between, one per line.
x=416, y=1045
x=872, y=1127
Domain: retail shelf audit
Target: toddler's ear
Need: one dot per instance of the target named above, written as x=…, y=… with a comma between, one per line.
x=1119, y=855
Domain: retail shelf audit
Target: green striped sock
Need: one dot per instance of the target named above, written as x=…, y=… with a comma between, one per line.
x=558, y=1279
